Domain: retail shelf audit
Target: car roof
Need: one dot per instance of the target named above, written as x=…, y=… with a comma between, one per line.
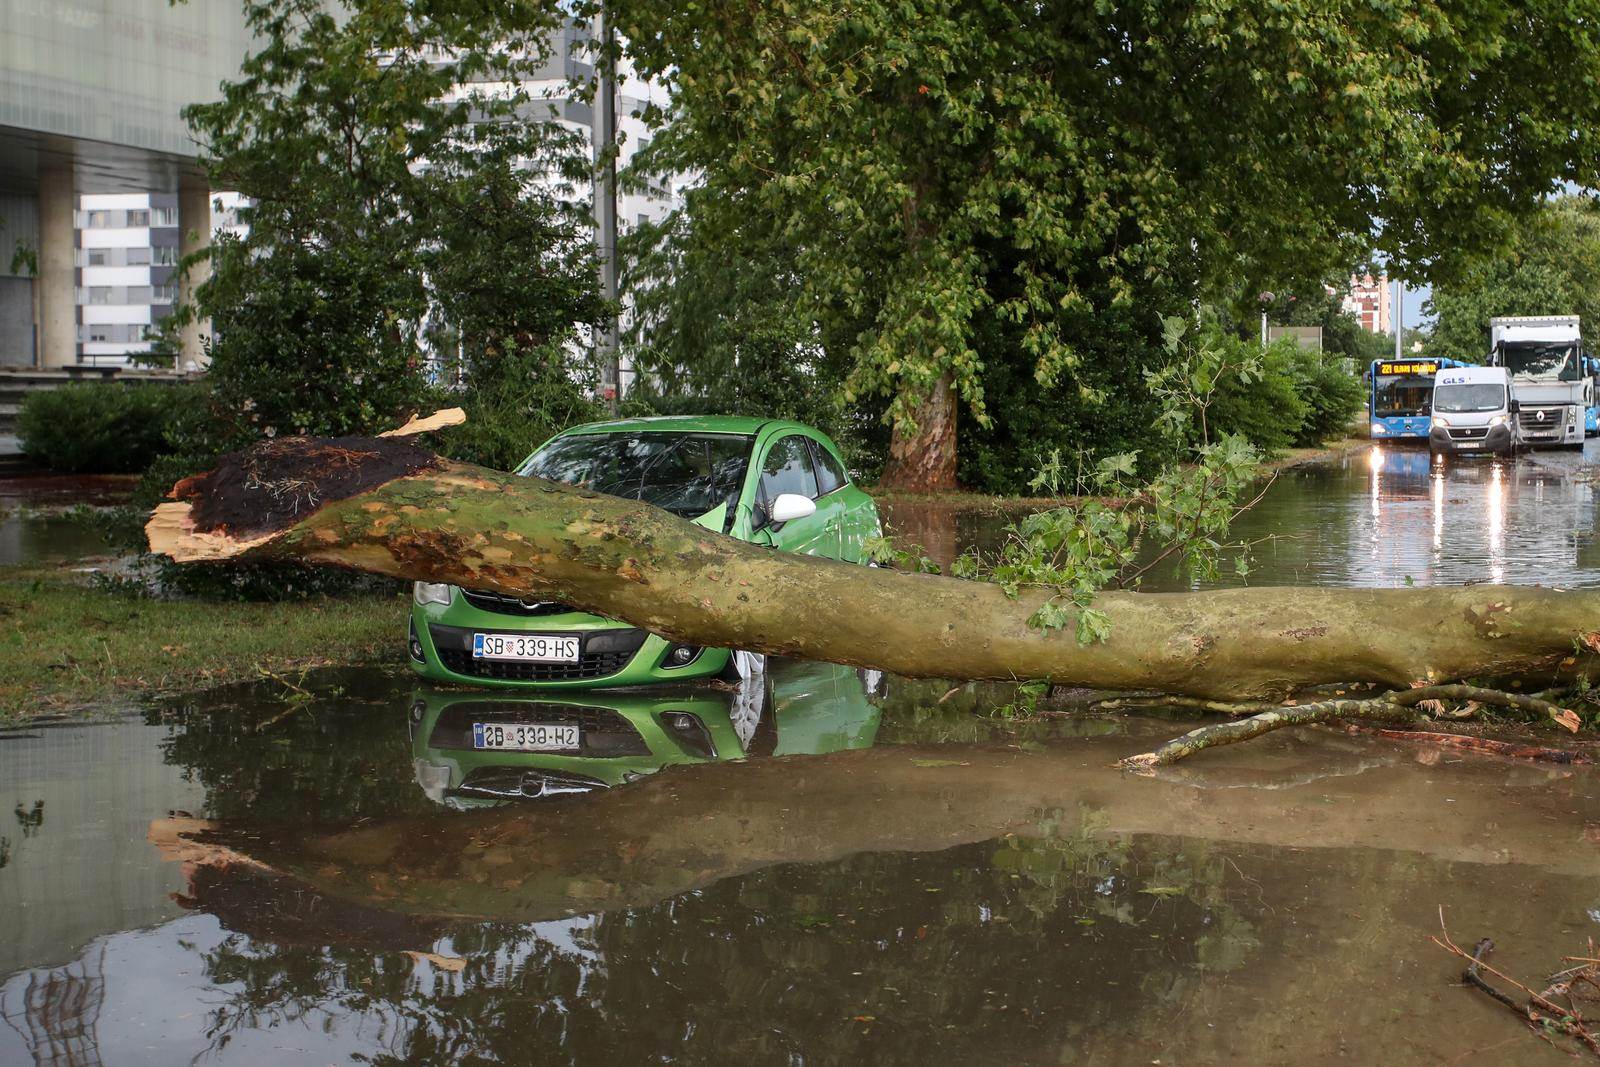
x=740, y=424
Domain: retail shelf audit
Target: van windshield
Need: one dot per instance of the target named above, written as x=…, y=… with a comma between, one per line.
x=1475, y=397
x=685, y=473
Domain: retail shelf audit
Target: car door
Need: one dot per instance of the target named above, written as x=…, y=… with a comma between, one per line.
x=833, y=503
x=787, y=468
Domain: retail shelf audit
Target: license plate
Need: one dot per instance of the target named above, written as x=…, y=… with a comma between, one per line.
x=538, y=648
x=1469, y=444
x=525, y=736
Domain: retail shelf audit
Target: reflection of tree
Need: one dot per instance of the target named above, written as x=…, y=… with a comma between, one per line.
x=327, y=759
x=57, y=1012
x=30, y=819
x=975, y=952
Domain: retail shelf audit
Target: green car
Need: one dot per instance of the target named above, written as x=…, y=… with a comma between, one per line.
x=472, y=749
x=771, y=482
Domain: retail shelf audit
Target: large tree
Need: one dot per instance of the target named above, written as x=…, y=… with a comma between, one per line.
x=402, y=189
x=1550, y=265
x=943, y=172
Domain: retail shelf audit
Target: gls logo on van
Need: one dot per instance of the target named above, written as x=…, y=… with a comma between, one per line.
x=1452, y=379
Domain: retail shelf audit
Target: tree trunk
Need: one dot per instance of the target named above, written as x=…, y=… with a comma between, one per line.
x=924, y=460
x=390, y=507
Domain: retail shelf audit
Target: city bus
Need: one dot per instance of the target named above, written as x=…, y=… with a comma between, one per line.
x=1399, y=394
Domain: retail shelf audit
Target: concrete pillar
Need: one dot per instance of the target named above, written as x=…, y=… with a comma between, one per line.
x=58, y=275
x=194, y=235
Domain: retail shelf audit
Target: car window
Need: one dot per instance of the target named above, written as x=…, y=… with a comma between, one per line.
x=788, y=470
x=685, y=473
x=830, y=475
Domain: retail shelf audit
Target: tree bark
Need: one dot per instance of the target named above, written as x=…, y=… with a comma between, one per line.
x=390, y=507
x=924, y=460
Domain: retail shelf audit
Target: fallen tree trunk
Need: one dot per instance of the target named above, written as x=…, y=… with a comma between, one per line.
x=390, y=507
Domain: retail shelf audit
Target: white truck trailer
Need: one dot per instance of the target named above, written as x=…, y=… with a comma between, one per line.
x=1549, y=376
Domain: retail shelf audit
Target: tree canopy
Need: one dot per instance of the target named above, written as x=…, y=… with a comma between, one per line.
x=405, y=195
x=1549, y=266
x=963, y=185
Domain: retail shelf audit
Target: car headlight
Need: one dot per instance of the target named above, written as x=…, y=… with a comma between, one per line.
x=430, y=593
x=1377, y=428
x=1440, y=420
x=1498, y=420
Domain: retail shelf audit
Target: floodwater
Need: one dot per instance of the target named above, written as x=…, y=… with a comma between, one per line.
x=1383, y=516
x=831, y=865
x=38, y=523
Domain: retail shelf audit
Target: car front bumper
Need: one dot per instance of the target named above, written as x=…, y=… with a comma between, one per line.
x=1497, y=440
x=440, y=648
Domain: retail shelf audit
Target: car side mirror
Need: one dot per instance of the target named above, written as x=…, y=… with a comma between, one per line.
x=1515, y=406
x=790, y=506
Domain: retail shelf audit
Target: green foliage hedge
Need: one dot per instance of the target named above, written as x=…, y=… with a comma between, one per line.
x=1300, y=399
x=102, y=427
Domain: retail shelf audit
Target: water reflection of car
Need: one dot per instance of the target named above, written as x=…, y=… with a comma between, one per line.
x=474, y=748
x=767, y=481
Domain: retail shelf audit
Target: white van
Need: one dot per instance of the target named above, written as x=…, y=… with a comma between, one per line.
x=1473, y=411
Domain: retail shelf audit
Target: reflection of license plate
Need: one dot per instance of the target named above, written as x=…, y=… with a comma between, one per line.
x=525, y=737
x=540, y=648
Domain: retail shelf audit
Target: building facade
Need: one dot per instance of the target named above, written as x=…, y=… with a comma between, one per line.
x=1369, y=301
x=128, y=247
x=90, y=98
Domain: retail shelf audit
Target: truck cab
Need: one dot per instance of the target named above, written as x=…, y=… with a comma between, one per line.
x=1473, y=412
x=1551, y=379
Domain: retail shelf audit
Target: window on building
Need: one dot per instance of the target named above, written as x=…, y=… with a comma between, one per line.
x=164, y=216
x=99, y=220
x=138, y=294
x=99, y=294
x=95, y=257
x=164, y=294
x=164, y=255
x=138, y=257
x=138, y=217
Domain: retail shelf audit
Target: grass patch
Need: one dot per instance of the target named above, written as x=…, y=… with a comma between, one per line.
x=64, y=644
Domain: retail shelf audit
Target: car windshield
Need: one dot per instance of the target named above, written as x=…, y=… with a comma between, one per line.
x=1531, y=359
x=685, y=473
x=1474, y=397
x=1401, y=394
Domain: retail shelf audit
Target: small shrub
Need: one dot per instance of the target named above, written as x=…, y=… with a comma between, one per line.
x=1332, y=395
x=514, y=405
x=1269, y=409
x=101, y=427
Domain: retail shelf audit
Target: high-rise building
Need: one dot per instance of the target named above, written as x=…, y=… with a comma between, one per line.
x=127, y=259
x=1369, y=301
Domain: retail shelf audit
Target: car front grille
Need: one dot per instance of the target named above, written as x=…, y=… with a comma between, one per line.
x=604, y=653
x=500, y=604
x=1470, y=433
x=1554, y=419
x=517, y=783
x=603, y=732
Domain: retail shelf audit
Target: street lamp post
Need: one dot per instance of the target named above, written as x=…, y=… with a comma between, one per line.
x=605, y=209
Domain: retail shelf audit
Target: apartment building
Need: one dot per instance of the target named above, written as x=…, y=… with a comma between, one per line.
x=127, y=258
x=1369, y=301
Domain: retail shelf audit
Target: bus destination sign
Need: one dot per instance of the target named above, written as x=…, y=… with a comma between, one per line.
x=1422, y=367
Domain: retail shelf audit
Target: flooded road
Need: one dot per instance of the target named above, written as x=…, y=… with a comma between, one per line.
x=1381, y=516
x=829, y=866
